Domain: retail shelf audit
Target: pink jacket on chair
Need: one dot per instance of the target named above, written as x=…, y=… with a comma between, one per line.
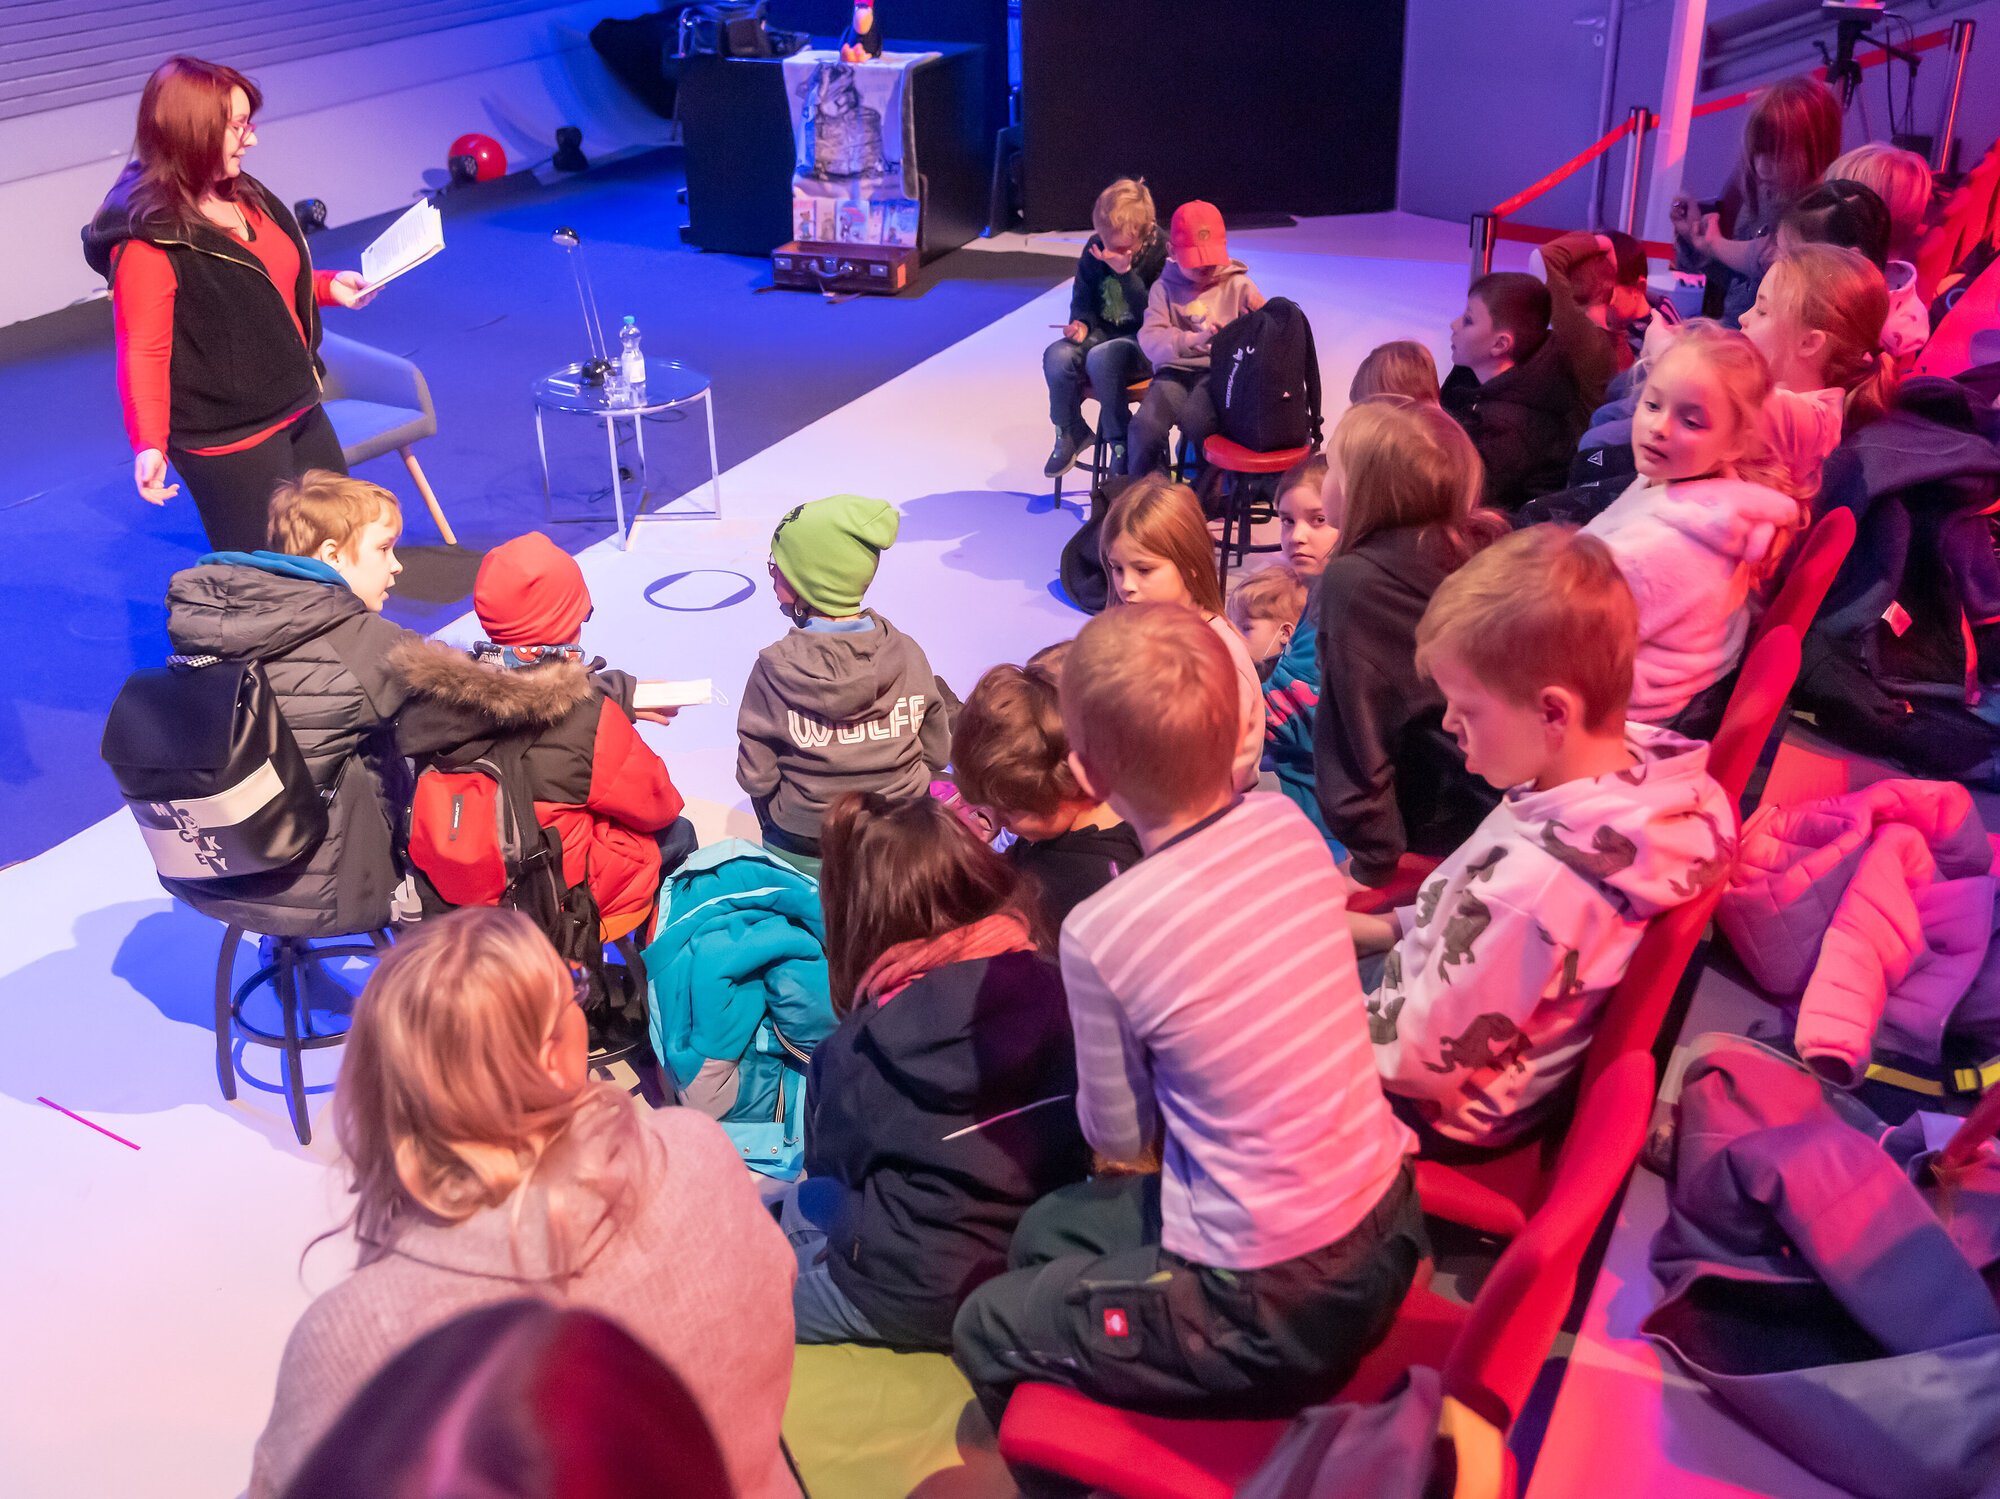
x=1875, y=906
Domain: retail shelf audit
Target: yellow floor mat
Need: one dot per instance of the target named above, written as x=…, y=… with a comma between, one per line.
x=868, y=1423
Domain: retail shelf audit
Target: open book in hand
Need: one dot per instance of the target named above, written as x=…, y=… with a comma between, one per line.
x=409, y=242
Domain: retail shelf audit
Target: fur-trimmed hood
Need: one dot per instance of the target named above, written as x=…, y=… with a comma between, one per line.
x=512, y=700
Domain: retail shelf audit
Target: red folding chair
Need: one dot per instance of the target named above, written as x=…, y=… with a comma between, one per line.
x=1755, y=706
x=1797, y=603
x=1489, y=1353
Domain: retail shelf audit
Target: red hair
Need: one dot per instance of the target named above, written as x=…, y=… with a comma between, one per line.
x=183, y=116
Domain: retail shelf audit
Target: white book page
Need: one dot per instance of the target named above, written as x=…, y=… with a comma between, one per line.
x=405, y=244
x=653, y=695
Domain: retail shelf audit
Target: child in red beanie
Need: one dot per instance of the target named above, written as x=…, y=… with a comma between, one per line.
x=596, y=783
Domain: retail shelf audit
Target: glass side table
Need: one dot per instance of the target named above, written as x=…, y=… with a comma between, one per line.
x=668, y=385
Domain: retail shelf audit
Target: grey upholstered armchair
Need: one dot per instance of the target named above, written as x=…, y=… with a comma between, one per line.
x=378, y=402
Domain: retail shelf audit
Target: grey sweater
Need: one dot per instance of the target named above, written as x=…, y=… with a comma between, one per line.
x=699, y=1272
x=1181, y=317
x=826, y=713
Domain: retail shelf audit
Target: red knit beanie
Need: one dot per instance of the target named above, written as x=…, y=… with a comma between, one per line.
x=530, y=592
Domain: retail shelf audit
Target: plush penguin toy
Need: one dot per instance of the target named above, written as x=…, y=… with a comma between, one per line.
x=863, y=41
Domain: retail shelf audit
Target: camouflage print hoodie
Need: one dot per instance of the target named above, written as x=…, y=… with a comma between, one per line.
x=1490, y=998
x=831, y=711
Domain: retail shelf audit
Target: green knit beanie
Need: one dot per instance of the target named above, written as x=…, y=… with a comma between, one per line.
x=828, y=550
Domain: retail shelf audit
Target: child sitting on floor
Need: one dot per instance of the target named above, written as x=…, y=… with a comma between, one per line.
x=1402, y=487
x=596, y=784
x=1492, y=982
x=1098, y=353
x=1213, y=995
x=1849, y=214
x=943, y=1106
x=1009, y=755
x=845, y=701
x=1402, y=367
x=1156, y=550
x=1202, y=292
x=1277, y=610
x=1514, y=385
x=1705, y=521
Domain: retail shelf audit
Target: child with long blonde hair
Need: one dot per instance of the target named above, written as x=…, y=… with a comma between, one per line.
x=485, y=1163
x=1156, y=550
x=1402, y=484
x=1707, y=518
x=1818, y=322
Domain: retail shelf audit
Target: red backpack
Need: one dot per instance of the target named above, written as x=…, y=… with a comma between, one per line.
x=474, y=841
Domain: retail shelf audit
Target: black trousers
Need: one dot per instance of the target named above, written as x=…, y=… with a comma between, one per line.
x=1176, y=398
x=1092, y=1301
x=233, y=490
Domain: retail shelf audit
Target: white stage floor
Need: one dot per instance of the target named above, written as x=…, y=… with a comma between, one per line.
x=150, y=1289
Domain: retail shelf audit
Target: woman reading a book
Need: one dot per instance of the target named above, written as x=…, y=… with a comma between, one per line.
x=217, y=308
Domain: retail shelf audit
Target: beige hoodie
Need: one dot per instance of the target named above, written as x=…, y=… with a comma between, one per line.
x=1181, y=317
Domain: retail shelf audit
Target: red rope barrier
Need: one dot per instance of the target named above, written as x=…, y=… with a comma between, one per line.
x=1529, y=194
x=1866, y=60
x=1535, y=234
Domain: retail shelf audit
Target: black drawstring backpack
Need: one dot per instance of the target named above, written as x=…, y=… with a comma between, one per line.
x=210, y=769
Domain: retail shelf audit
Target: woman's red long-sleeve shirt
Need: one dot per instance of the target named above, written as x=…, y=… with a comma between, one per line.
x=142, y=300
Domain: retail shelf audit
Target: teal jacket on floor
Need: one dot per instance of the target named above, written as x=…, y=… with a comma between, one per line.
x=741, y=943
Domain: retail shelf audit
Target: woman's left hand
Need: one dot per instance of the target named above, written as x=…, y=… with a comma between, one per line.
x=349, y=290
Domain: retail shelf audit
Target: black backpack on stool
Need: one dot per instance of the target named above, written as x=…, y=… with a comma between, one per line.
x=1263, y=376
x=214, y=778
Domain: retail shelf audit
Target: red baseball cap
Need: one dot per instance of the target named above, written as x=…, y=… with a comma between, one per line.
x=1197, y=234
x=530, y=592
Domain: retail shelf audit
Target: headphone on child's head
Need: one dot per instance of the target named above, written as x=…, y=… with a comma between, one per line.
x=492, y=652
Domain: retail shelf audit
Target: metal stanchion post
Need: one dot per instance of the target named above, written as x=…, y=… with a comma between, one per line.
x=1483, y=226
x=1961, y=45
x=1635, y=151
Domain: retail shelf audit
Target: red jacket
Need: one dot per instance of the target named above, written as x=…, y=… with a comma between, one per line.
x=596, y=783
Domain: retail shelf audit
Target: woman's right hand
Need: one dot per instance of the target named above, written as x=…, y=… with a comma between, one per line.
x=149, y=473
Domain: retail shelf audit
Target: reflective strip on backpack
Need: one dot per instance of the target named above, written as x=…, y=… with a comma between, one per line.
x=180, y=834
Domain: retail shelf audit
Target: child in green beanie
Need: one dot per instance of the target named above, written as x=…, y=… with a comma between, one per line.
x=845, y=701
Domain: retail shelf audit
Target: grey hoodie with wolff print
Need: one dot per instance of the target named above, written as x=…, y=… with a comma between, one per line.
x=826, y=712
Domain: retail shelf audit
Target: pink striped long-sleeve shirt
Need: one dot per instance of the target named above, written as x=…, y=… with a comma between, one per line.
x=1212, y=987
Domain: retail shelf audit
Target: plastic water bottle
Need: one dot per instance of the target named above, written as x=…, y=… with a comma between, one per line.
x=632, y=363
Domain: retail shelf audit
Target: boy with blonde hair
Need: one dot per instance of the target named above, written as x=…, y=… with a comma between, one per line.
x=1099, y=350
x=1217, y=1020
x=309, y=609
x=1492, y=982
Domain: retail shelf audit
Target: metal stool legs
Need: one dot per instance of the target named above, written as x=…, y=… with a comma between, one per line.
x=282, y=974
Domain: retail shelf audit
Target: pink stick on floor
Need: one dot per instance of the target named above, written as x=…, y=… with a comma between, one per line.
x=83, y=1121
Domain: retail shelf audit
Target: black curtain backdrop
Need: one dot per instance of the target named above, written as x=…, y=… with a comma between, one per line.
x=1259, y=106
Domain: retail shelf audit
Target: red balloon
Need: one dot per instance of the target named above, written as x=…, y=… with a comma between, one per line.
x=483, y=149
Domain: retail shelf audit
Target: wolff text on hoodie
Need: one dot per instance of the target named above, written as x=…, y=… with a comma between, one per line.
x=826, y=712
x=1489, y=999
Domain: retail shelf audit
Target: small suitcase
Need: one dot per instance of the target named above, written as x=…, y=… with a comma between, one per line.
x=815, y=266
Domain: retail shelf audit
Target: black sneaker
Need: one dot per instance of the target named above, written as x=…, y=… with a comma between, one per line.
x=1062, y=457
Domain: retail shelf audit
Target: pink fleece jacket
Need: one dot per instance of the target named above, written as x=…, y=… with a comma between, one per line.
x=1876, y=906
x=1691, y=553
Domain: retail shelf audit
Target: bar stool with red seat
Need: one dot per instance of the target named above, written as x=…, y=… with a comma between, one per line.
x=1234, y=462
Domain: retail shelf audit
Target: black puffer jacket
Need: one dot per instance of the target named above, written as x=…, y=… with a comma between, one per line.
x=1390, y=780
x=327, y=658
x=902, y=1110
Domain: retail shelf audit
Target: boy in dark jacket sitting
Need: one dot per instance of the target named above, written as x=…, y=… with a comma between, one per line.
x=845, y=701
x=596, y=784
x=310, y=609
x=1099, y=349
x=1521, y=390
